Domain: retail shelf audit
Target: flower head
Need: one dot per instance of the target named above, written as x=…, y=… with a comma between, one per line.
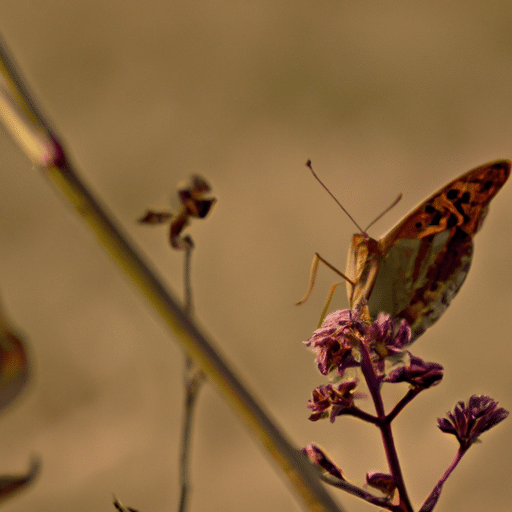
x=468, y=422
x=418, y=373
x=336, y=343
x=387, y=338
x=382, y=481
x=332, y=400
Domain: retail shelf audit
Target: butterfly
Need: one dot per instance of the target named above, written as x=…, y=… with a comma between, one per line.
x=415, y=270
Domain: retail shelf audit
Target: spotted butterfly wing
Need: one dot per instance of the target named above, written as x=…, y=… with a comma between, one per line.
x=414, y=271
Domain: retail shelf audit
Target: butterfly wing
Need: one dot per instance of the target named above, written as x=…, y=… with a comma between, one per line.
x=462, y=203
x=418, y=278
x=423, y=261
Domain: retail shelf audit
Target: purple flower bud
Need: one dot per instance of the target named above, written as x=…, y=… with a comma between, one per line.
x=468, y=422
x=385, y=483
x=318, y=456
x=418, y=373
x=332, y=401
x=388, y=338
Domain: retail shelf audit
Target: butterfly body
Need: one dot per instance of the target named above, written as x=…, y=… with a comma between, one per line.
x=414, y=271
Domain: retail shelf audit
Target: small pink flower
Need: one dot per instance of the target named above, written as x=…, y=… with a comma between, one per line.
x=468, y=422
x=418, y=373
x=332, y=400
x=336, y=343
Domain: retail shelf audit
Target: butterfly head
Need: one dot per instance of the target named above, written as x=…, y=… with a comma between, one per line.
x=363, y=260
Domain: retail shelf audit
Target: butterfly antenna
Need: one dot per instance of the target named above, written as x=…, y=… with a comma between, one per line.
x=392, y=205
x=308, y=163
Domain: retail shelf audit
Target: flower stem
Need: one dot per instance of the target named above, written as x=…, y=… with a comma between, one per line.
x=360, y=493
x=411, y=393
x=193, y=378
x=433, y=497
x=384, y=425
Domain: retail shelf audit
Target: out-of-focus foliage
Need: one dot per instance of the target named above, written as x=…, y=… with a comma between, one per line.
x=14, y=374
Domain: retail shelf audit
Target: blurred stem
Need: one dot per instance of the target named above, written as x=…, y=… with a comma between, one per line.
x=187, y=278
x=33, y=133
x=193, y=379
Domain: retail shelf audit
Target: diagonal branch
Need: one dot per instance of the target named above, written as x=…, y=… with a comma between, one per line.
x=35, y=136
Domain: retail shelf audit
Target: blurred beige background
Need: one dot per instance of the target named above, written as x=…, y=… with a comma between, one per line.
x=384, y=97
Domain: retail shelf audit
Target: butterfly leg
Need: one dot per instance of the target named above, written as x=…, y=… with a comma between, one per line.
x=323, y=314
x=312, y=278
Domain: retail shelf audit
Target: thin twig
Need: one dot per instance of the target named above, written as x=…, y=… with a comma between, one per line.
x=193, y=378
x=187, y=284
